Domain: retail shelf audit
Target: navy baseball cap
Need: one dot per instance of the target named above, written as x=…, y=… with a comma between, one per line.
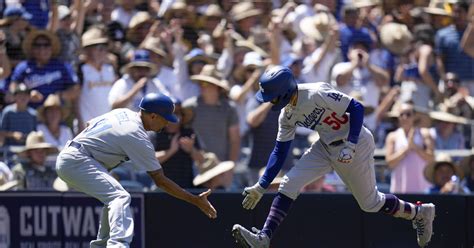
x=160, y=104
x=275, y=82
x=16, y=11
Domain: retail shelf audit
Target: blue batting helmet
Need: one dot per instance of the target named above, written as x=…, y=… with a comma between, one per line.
x=159, y=104
x=278, y=84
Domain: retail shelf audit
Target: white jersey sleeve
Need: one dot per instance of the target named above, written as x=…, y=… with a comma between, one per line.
x=141, y=152
x=286, y=129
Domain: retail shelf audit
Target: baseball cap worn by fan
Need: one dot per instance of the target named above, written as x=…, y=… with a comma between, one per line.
x=15, y=11
x=159, y=104
x=141, y=58
x=63, y=12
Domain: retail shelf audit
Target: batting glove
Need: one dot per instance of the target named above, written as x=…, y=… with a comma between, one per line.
x=252, y=194
x=347, y=153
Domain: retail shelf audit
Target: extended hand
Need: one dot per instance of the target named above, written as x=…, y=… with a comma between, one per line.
x=252, y=194
x=205, y=206
x=347, y=153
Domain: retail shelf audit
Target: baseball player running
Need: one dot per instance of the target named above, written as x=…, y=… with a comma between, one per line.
x=108, y=141
x=344, y=145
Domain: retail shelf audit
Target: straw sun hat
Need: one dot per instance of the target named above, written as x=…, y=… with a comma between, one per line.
x=244, y=10
x=153, y=44
x=210, y=168
x=27, y=44
x=437, y=7
x=138, y=19
x=317, y=26
x=93, y=36
x=441, y=158
x=35, y=140
x=209, y=74
x=396, y=37
x=53, y=100
x=366, y=3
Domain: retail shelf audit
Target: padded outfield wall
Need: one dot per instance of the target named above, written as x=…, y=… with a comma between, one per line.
x=47, y=219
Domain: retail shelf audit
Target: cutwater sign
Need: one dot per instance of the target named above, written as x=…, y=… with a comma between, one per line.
x=69, y=220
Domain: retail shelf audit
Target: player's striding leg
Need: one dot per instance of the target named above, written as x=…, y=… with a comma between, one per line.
x=278, y=211
x=423, y=223
x=422, y=216
x=248, y=239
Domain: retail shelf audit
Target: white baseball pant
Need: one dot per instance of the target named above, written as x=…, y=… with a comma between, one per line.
x=85, y=174
x=359, y=176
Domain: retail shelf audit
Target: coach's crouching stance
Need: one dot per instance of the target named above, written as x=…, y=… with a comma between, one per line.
x=108, y=141
x=344, y=145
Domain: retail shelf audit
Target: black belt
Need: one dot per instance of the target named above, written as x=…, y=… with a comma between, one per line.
x=80, y=148
x=75, y=144
x=337, y=142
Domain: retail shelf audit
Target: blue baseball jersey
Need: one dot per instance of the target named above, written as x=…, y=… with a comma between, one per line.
x=320, y=108
x=51, y=78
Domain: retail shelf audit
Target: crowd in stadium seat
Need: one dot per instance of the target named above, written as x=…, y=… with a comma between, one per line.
x=409, y=62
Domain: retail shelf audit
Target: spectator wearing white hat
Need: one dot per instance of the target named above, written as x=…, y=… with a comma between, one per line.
x=323, y=29
x=52, y=115
x=213, y=113
x=240, y=93
x=135, y=83
x=34, y=173
x=244, y=15
x=97, y=76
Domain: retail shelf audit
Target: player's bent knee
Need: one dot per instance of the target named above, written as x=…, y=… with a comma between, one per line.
x=368, y=209
x=289, y=189
x=124, y=197
x=290, y=194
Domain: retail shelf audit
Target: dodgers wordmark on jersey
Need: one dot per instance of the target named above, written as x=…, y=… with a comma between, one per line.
x=320, y=108
x=117, y=137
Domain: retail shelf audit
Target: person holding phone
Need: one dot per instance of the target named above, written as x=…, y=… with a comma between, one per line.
x=359, y=75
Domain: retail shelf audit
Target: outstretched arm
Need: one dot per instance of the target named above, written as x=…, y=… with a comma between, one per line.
x=173, y=189
x=275, y=162
x=254, y=193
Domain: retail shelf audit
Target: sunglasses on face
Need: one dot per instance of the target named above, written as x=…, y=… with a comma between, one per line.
x=100, y=47
x=41, y=45
x=406, y=113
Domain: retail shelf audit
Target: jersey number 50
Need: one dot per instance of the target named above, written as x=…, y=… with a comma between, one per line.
x=334, y=121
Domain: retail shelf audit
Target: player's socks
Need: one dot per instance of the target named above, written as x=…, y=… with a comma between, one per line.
x=398, y=208
x=280, y=207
